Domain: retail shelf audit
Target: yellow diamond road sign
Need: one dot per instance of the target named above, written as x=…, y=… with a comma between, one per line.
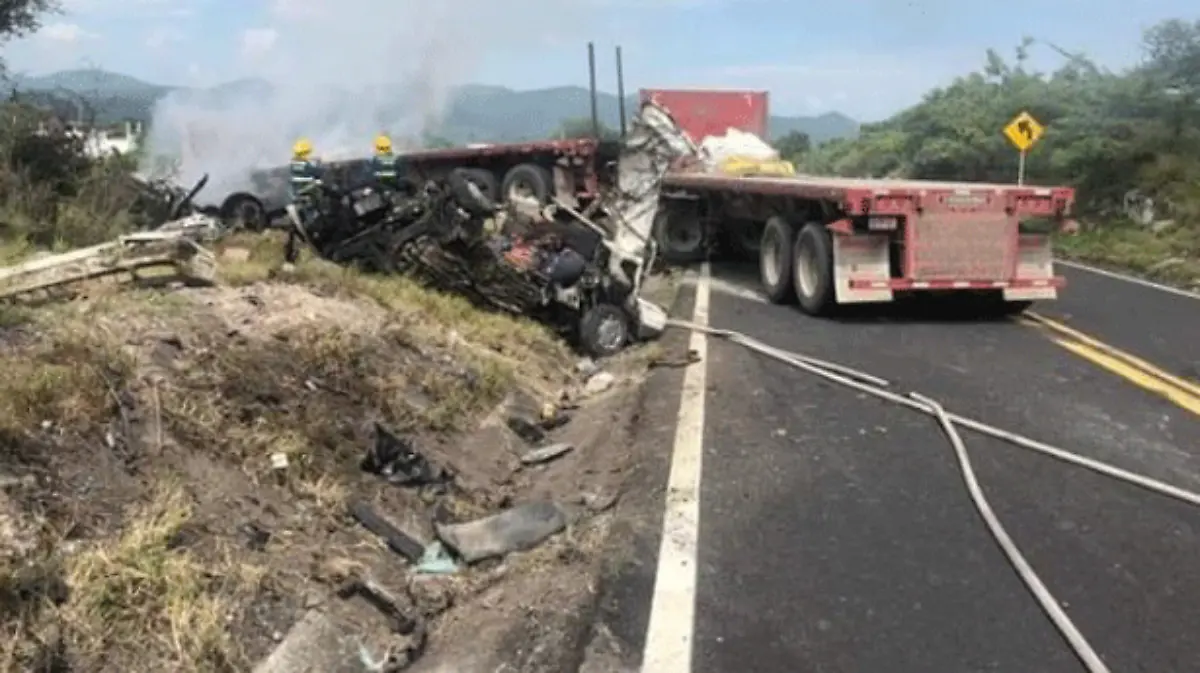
x=1024, y=131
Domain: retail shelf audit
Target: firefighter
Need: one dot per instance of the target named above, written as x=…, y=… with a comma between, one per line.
x=304, y=170
x=384, y=164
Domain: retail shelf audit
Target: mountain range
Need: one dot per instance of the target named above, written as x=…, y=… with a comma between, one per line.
x=476, y=113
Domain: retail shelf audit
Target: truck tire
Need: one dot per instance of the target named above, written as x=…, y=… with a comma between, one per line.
x=680, y=236
x=244, y=211
x=775, y=261
x=528, y=181
x=604, y=330
x=486, y=181
x=812, y=270
x=468, y=194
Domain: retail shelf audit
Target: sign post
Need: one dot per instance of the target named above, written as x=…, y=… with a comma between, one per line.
x=1023, y=132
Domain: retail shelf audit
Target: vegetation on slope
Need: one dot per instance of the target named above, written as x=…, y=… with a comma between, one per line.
x=1112, y=135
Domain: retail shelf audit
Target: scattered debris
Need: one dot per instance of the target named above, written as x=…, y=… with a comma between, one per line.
x=516, y=529
x=315, y=644
x=381, y=599
x=587, y=367
x=436, y=560
x=397, y=460
x=545, y=454
x=396, y=539
x=691, y=358
x=525, y=429
x=599, y=383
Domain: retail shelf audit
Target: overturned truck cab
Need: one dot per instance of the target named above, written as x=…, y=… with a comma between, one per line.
x=580, y=271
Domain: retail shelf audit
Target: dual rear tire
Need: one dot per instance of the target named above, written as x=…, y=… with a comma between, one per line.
x=796, y=266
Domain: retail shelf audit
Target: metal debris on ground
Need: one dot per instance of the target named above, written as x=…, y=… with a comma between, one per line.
x=545, y=454
x=517, y=529
x=397, y=540
x=176, y=246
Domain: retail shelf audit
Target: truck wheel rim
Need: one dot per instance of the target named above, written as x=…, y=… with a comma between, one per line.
x=610, y=333
x=521, y=190
x=683, y=235
x=772, y=261
x=806, y=270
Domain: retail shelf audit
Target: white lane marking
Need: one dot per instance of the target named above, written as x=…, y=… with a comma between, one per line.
x=1128, y=279
x=672, y=612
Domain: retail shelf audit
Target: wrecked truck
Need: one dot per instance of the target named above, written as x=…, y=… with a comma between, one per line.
x=581, y=272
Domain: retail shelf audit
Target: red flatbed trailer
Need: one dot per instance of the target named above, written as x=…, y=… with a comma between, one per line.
x=571, y=169
x=825, y=241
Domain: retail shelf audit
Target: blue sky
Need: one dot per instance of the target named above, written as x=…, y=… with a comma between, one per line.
x=867, y=58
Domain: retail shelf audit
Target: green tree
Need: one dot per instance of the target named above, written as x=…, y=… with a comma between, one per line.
x=793, y=145
x=1106, y=133
x=21, y=17
x=582, y=128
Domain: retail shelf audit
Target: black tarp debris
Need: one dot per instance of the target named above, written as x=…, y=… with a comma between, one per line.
x=397, y=460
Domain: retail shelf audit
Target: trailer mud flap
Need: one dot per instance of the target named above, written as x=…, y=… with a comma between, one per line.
x=1035, y=262
x=861, y=258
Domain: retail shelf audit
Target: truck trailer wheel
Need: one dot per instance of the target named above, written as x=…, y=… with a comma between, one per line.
x=812, y=270
x=604, y=330
x=775, y=261
x=680, y=236
x=244, y=211
x=528, y=181
x=486, y=181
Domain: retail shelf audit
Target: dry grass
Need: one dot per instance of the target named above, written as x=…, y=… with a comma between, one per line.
x=162, y=380
x=134, y=599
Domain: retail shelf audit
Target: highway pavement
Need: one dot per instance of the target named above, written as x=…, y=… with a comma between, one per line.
x=812, y=528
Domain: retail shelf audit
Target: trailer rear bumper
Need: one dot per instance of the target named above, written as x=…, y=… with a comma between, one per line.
x=1031, y=289
x=905, y=285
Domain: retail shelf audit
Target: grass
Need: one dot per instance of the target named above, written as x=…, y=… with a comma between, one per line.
x=133, y=600
x=1171, y=256
x=334, y=350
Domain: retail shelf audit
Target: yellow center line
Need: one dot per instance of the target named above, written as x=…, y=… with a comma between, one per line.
x=1181, y=392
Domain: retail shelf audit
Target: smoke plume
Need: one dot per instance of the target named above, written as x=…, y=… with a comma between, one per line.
x=340, y=72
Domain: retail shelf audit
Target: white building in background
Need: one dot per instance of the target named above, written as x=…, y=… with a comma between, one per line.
x=107, y=142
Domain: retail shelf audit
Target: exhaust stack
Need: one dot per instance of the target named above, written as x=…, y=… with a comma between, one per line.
x=621, y=91
x=592, y=89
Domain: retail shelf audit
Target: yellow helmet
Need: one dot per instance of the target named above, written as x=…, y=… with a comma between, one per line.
x=302, y=148
x=383, y=144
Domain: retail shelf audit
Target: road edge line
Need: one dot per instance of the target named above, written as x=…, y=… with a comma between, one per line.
x=668, y=647
x=1128, y=278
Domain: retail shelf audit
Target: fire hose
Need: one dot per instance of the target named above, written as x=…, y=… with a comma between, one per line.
x=878, y=388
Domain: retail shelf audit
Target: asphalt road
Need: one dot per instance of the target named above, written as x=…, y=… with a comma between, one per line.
x=835, y=531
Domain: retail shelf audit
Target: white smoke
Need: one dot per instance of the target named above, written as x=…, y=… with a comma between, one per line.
x=342, y=71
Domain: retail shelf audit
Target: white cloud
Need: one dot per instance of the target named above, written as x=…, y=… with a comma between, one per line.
x=64, y=32
x=258, y=41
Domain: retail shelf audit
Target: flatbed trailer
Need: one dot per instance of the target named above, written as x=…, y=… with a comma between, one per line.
x=828, y=241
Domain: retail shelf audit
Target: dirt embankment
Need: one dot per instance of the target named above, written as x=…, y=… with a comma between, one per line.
x=178, y=466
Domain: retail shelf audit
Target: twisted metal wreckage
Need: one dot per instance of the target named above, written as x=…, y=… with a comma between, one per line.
x=579, y=272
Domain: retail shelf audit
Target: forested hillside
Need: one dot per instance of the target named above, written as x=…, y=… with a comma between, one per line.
x=1116, y=136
